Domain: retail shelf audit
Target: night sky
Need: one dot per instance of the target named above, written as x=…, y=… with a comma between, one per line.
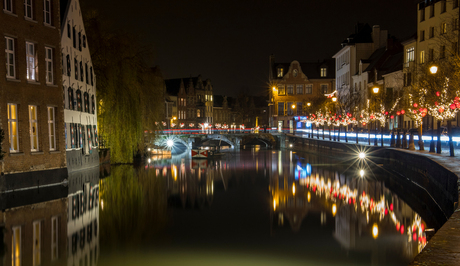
x=230, y=42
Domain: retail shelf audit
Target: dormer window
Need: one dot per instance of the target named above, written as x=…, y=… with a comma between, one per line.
x=280, y=72
x=323, y=72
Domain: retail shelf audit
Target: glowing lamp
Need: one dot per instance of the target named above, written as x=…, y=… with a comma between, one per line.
x=433, y=69
x=334, y=99
x=403, y=112
x=364, y=123
x=392, y=117
x=308, y=104
x=402, y=229
x=169, y=143
x=293, y=106
x=274, y=88
x=414, y=237
x=391, y=207
x=375, y=89
x=415, y=111
x=334, y=209
x=398, y=113
x=361, y=173
x=354, y=118
x=362, y=155
x=375, y=231
x=386, y=113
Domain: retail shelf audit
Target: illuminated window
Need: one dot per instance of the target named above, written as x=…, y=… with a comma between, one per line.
x=8, y=5
x=443, y=28
x=33, y=127
x=52, y=128
x=54, y=237
x=308, y=89
x=30, y=61
x=49, y=65
x=16, y=255
x=410, y=53
x=290, y=111
x=47, y=12
x=37, y=243
x=28, y=9
x=9, y=55
x=198, y=113
x=422, y=57
x=281, y=90
x=13, y=127
x=323, y=72
x=280, y=72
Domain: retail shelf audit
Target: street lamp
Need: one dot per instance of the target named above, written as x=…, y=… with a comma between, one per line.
x=376, y=90
x=308, y=104
x=334, y=99
x=433, y=69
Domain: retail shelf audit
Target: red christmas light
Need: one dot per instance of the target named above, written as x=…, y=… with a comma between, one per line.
x=386, y=113
x=415, y=105
x=438, y=93
x=441, y=110
x=402, y=229
x=452, y=106
x=403, y=112
x=415, y=111
x=414, y=237
x=398, y=113
x=391, y=206
x=392, y=117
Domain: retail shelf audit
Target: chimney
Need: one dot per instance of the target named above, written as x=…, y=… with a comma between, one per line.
x=376, y=36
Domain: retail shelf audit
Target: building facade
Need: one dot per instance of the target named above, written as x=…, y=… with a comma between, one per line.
x=31, y=103
x=79, y=90
x=294, y=85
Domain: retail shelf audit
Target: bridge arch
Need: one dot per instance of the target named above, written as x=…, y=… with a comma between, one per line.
x=222, y=138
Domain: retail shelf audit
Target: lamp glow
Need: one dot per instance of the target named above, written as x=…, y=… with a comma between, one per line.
x=334, y=99
x=433, y=69
x=361, y=173
x=375, y=89
x=293, y=189
x=169, y=143
x=308, y=104
x=334, y=209
x=362, y=155
x=293, y=106
x=375, y=231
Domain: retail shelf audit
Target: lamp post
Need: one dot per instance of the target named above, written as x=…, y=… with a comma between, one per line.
x=375, y=90
x=311, y=124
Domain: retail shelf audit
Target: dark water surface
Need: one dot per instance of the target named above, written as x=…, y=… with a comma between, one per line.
x=249, y=207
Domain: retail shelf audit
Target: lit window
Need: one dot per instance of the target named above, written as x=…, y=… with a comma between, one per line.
x=410, y=54
x=8, y=5
x=281, y=90
x=280, y=72
x=16, y=255
x=9, y=55
x=443, y=28
x=37, y=243
x=49, y=65
x=323, y=72
x=33, y=127
x=52, y=128
x=31, y=62
x=47, y=12
x=54, y=238
x=198, y=113
x=28, y=9
x=13, y=127
x=422, y=57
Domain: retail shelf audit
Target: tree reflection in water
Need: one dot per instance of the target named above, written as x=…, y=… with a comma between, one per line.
x=133, y=207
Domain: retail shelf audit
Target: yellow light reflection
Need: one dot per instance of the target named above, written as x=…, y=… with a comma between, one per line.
x=375, y=231
x=174, y=172
x=308, y=196
x=274, y=205
x=334, y=209
x=293, y=189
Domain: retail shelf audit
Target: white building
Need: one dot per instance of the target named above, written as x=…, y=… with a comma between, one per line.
x=79, y=85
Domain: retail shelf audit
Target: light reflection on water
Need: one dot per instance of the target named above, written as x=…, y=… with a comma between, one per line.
x=254, y=207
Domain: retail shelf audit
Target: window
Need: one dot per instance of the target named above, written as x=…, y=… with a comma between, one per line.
x=299, y=108
x=280, y=72
x=299, y=89
x=37, y=243
x=52, y=128
x=47, y=12
x=281, y=90
x=74, y=35
x=10, y=58
x=422, y=35
x=198, y=113
x=290, y=89
x=454, y=48
x=431, y=32
x=71, y=99
x=431, y=54
x=79, y=102
x=422, y=15
x=16, y=246
x=84, y=41
x=295, y=73
x=409, y=79
x=79, y=41
x=443, y=6
x=443, y=28
x=13, y=127
x=308, y=89
x=422, y=57
x=290, y=110
x=86, y=73
x=54, y=237
x=442, y=52
x=28, y=9
x=31, y=62
x=69, y=68
x=455, y=26
x=281, y=108
x=410, y=54
x=432, y=11
x=91, y=73
x=75, y=61
x=8, y=5
x=33, y=127
x=324, y=88
x=323, y=72
x=81, y=71
x=93, y=105
x=86, y=102
x=455, y=4
x=49, y=65
x=69, y=33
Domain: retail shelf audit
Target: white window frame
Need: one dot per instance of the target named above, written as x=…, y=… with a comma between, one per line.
x=297, y=87
x=9, y=52
x=5, y=6
x=28, y=14
x=37, y=243
x=31, y=62
x=33, y=122
x=47, y=13
x=16, y=255
x=49, y=65
x=52, y=127
x=322, y=88
x=10, y=127
x=54, y=238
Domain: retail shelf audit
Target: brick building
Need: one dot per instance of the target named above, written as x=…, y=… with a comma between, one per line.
x=31, y=105
x=296, y=84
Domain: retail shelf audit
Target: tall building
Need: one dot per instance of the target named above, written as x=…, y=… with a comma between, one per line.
x=294, y=85
x=359, y=45
x=79, y=90
x=31, y=103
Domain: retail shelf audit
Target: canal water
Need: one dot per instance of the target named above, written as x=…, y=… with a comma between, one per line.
x=248, y=207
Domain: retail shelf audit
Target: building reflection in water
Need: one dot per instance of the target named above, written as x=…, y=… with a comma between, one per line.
x=368, y=216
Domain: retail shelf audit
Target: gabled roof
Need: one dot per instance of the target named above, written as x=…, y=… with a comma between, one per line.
x=64, y=7
x=385, y=60
x=311, y=69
